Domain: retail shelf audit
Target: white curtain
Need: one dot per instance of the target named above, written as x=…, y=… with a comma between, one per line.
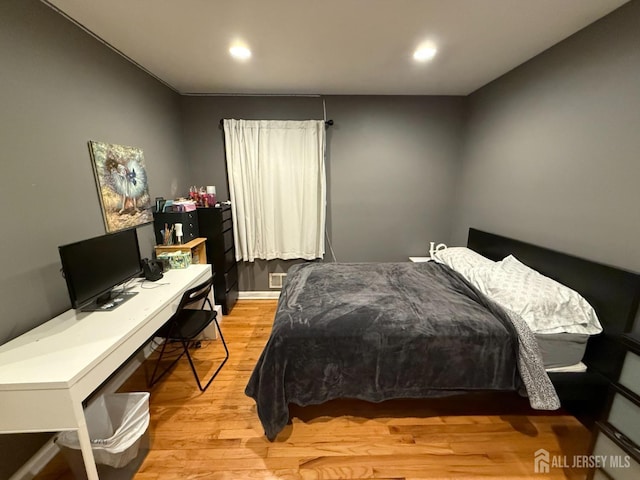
x=277, y=187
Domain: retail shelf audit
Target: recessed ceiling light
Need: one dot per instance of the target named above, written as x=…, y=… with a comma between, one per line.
x=422, y=54
x=240, y=52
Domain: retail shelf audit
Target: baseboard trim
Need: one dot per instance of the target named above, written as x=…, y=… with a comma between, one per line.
x=42, y=457
x=274, y=294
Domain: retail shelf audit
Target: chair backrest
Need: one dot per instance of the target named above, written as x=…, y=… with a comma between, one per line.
x=197, y=294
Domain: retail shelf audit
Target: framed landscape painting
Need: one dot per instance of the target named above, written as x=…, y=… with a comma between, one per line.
x=121, y=178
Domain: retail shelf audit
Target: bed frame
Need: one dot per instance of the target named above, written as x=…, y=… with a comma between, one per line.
x=614, y=294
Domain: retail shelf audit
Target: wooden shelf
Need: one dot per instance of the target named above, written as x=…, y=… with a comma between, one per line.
x=197, y=247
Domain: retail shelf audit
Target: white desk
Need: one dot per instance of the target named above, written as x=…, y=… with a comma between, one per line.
x=46, y=373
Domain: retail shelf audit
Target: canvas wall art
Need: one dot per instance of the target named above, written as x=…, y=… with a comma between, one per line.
x=121, y=178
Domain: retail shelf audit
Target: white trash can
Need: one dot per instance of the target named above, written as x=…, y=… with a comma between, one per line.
x=117, y=425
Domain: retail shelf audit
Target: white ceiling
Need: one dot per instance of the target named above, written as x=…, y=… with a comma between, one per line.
x=332, y=46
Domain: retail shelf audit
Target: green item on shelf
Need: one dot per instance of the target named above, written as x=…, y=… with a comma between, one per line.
x=177, y=259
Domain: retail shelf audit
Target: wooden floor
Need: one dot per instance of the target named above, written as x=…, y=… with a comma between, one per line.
x=217, y=435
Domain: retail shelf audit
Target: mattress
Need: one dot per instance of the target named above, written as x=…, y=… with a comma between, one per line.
x=577, y=368
x=561, y=349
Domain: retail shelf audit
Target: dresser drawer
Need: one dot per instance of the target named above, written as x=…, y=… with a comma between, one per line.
x=624, y=415
x=630, y=375
x=616, y=462
x=231, y=278
x=226, y=214
x=190, y=226
x=227, y=238
x=600, y=475
x=217, y=226
x=231, y=298
x=189, y=233
x=616, y=456
x=229, y=258
x=189, y=221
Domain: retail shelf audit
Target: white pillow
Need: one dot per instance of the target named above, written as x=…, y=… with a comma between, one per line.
x=463, y=260
x=545, y=305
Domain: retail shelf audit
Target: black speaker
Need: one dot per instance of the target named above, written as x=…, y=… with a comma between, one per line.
x=152, y=269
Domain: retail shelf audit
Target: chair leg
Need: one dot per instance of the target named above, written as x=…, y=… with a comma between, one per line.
x=193, y=368
x=155, y=379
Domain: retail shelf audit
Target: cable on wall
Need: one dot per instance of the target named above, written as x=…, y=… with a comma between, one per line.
x=333, y=254
x=330, y=122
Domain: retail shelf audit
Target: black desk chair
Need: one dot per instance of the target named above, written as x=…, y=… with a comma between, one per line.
x=185, y=326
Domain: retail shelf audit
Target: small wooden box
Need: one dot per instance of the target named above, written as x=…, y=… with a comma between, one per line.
x=195, y=247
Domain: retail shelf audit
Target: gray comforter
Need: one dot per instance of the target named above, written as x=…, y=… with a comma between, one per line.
x=382, y=331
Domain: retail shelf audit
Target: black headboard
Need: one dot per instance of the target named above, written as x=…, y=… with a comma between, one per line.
x=614, y=293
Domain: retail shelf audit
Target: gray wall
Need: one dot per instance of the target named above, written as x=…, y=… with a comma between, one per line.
x=552, y=148
x=60, y=89
x=393, y=162
x=391, y=165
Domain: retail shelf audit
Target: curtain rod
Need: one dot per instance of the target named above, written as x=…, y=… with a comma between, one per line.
x=328, y=123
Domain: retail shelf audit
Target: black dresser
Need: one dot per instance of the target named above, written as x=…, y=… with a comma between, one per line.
x=617, y=436
x=216, y=226
x=189, y=221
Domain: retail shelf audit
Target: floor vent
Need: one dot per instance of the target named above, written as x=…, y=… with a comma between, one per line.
x=276, y=280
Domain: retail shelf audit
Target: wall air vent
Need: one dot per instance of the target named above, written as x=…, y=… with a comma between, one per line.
x=276, y=280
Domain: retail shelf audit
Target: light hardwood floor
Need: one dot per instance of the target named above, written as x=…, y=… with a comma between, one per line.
x=217, y=435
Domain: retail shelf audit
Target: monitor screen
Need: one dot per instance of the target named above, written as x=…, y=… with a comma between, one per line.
x=93, y=267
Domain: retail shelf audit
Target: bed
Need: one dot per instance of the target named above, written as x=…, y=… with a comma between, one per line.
x=613, y=292
x=402, y=330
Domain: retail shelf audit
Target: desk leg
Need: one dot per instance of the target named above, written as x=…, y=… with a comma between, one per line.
x=85, y=443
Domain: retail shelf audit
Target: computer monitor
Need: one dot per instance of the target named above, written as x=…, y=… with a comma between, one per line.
x=93, y=267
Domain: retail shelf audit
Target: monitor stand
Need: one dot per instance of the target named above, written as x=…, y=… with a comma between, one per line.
x=108, y=302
